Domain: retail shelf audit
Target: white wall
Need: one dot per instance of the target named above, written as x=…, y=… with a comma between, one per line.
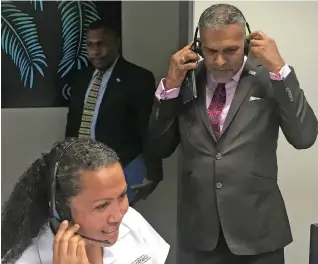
x=292, y=25
x=25, y=134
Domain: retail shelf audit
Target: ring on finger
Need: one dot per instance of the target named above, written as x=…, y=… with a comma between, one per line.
x=183, y=60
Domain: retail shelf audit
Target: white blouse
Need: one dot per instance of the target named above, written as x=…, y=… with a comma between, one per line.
x=137, y=243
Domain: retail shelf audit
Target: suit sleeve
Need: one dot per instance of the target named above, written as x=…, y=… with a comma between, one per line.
x=143, y=100
x=71, y=115
x=68, y=120
x=297, y=119
x=163, y=133
x=69, y=131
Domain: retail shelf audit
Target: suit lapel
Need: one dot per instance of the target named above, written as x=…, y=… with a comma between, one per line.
x=201, y=105
x=115, y=77
x=245, y=84
x=114, y=84
x=114, y=80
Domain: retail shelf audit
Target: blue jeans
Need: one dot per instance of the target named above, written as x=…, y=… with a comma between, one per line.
x=135, y=173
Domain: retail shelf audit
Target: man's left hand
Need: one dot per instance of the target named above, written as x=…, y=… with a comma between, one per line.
x=264, y=48
x=143, y=190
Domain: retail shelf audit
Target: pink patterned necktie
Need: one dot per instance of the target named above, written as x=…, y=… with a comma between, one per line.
x=216, y=107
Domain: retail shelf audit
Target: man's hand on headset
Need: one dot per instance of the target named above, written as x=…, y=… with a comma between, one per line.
x=264, y=48
x=143, y=190
x=181, y=62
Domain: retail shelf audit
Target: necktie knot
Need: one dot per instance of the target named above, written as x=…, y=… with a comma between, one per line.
x=220, y=89
x=100, y=74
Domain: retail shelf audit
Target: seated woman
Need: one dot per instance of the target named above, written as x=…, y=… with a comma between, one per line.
x=70, y=207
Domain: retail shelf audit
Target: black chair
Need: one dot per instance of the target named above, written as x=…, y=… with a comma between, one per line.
x=313, y=253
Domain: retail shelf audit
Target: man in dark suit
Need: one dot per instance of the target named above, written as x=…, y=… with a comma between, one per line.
x=230, y=210
x=111, y=102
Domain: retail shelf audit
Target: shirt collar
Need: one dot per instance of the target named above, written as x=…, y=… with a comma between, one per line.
x=236, y=77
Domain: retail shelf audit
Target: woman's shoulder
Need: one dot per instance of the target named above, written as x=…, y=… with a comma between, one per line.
x=134, y=221
x=132, y=216
x=136, y=234
x=32, y=255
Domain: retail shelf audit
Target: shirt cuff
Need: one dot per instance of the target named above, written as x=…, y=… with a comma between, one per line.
x=283, y=73
x=162, y=94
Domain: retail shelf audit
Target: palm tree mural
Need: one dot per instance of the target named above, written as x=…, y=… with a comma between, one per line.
x=76, y=17
x=37, y=3
x=43, y=44
x=19, y=40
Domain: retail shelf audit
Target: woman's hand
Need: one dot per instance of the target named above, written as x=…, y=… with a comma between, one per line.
x=69, y=247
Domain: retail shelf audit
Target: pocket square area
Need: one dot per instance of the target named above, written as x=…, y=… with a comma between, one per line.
x=253, y=98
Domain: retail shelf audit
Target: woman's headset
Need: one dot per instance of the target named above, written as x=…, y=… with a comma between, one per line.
x=59, y=211
x=197, y=46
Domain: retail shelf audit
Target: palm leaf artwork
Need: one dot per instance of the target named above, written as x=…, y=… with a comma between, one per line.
x=66, y=91
x=76, y=17
x=19, y=40
x=37, y=2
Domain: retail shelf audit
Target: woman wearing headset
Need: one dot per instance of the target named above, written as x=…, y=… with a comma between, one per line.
x=86, y=207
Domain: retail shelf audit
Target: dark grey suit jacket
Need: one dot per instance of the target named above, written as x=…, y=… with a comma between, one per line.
x=233, y=181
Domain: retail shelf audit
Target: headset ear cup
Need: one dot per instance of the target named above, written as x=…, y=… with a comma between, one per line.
x=196, y=47
x=246, y=46
x=199, y=51
x=63, y=211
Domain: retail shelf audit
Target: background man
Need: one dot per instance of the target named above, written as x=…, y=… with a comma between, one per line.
x=111, y=102
x=230, y=206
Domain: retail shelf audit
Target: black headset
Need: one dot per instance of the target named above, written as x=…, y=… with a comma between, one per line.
x=59, y=211
x=63, y=212
x=197, y=46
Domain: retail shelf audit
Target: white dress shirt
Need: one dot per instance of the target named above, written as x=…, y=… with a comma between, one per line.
x=137, y=242
x=101, y=93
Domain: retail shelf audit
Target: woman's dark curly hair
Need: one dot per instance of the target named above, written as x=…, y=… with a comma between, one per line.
x=26, y=213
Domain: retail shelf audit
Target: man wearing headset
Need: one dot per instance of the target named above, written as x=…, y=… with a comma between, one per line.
x=230, y=210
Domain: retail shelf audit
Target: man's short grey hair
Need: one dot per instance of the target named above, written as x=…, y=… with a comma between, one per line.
x=220, y=15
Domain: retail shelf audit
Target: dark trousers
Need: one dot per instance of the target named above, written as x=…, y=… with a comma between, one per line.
x=223, y=255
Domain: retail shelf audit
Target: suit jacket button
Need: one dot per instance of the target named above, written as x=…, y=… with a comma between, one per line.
x=218, y=156
x=219, y=185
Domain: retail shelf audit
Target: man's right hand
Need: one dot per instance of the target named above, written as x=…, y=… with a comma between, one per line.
x=69, y=248
x=181, y=62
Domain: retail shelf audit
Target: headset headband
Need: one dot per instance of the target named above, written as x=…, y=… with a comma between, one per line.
x=197, y=29
x=53, y=211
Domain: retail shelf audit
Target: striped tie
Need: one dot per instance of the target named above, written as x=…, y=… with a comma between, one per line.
x=89, y=107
